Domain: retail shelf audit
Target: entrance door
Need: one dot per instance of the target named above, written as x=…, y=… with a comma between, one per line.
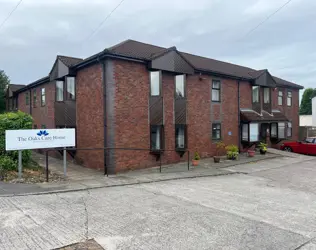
x=263, y=131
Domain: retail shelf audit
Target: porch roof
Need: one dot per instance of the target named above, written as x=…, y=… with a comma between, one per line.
x=249, y=115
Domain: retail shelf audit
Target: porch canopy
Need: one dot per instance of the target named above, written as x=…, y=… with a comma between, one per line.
x=249, y=115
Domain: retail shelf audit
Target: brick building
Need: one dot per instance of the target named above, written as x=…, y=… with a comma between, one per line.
x=137, y=95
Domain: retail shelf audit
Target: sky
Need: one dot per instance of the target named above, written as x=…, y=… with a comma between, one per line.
x=41, y=29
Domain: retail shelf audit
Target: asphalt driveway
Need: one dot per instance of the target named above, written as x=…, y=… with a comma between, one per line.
x=267, y=205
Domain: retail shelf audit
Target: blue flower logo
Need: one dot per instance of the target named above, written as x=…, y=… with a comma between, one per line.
x=42, y=133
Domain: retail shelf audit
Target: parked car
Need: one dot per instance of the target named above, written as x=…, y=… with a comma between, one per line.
x=308, y=146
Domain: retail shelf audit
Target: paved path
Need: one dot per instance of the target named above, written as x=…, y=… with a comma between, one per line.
x=271, y=206
x=80, y=178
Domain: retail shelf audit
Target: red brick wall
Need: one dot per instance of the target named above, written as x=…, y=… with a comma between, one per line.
x=230, y=111
x=90, y=123
x=245, y=89
x=131, y=115
x=22, y=104
x=44, y=115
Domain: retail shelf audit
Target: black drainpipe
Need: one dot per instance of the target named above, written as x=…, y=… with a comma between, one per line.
x=239, y=128
x=104, y=113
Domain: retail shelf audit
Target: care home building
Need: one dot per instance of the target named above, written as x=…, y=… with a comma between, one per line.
x=137, y=95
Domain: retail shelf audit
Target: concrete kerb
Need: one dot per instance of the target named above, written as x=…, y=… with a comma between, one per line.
x=135, y=181
x=122, y=185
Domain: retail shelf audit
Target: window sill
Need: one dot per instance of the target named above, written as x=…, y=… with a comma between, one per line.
x=156, y=151
x=216, y=139
x=216, y=101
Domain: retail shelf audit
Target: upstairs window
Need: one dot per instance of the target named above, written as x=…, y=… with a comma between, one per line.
x=216, y=90
x=156, y=137
x=255, y=94
x=180, y=136
x=34, y=98
x=27, y=98
x=43, y=97
x=216, y=131
x=280, y=98
x=289, y=129
x=266, y=95
x=71, y=88
x=289, y=98
x=155, y=77
x=59, y=91
x=180, y=79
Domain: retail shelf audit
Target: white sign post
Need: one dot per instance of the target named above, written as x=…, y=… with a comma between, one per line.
x=39, y=138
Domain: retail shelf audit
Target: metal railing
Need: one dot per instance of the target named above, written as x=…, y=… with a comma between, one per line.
x=158, y=153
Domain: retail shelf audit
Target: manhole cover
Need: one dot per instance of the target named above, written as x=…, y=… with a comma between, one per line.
x=87, y=245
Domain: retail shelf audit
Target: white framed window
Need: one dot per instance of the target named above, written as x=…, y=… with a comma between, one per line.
x=156, y=135
x=289, y=98
x=180, y=136
x=289, y=129
x=244, y=132
x=43, y=97
x=216, y=90
x=254, y=132
x=274, y=130
x=281, y=130
x=71, y=88
x=59, y=91
x=280, y=98
x=155, y=79
x=255, y=94
x=180, y=83
x=266, y=95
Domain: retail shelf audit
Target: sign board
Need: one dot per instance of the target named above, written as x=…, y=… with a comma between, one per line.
x=230, y=133
x=39, y=138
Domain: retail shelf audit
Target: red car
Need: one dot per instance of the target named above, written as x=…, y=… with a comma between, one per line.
x=308, y=146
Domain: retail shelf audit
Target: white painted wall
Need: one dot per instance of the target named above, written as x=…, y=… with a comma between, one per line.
x=314, y=111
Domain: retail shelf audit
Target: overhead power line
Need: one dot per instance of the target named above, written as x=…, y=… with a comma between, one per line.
x=280, y=8
x=104, y=20
x=10, y=14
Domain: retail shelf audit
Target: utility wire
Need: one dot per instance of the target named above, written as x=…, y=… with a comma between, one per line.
x=252, y=30
x=10, y=14
x=103, y=21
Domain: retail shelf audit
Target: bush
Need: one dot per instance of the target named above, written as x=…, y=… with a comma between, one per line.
x=8, y=164
x=232, y=152
x=9, y=121
x=197, y=156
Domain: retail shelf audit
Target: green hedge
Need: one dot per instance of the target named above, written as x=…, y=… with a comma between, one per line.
x=8, y=121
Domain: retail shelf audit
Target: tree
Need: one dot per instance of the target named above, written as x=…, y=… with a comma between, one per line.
x=306, y=103
x=4, y=82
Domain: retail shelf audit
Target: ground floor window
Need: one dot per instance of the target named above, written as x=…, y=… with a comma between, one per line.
x=281, y=130
x=216, y=131
x=156, y=137
x=245, y=132
x=289, y=129
x=250, y=132
x=180, y=133
x=274, y=130
x=253, y=132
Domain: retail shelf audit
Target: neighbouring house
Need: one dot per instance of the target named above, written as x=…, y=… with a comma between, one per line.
x=138, y=95
x=306, y=128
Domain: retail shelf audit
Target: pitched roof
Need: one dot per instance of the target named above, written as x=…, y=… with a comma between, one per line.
x=69, y=61
x=15, y=87
x=144, y=51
